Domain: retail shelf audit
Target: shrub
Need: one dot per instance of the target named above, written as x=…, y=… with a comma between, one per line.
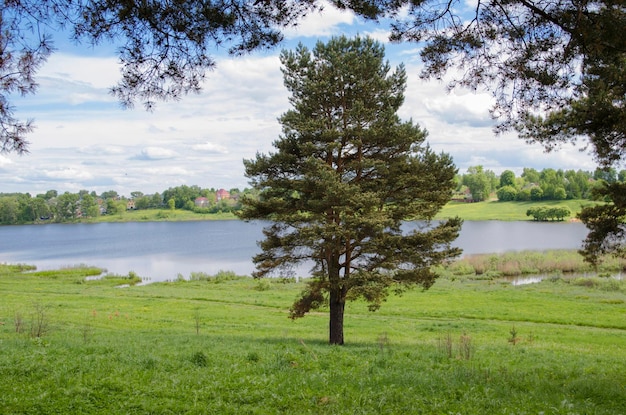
x=523, y=195
x=39, y=325
x=506, y=193
x=536, y=193
x=586, y=282
x=162, y=215
x=221, y=276
x=263, y=285
x=199, y=276
x=461, y=268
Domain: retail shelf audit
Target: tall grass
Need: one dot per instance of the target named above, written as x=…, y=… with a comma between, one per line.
x=527, y=262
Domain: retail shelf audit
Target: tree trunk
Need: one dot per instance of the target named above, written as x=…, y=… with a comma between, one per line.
x=337, y=306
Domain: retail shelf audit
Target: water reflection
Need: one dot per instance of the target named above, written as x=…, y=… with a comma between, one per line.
x=534, y=279
x=160, y=251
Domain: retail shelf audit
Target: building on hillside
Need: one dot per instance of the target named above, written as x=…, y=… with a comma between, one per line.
x=463, y=196
x=222, y=195
x=201, y=202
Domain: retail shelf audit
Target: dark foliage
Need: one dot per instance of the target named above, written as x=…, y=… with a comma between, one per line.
x=346, y=174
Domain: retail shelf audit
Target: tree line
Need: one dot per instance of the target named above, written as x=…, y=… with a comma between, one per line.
x=545, y=213
x=52, y=206
x=479, y=184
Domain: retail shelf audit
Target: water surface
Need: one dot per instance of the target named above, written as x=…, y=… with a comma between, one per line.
x=160, y=251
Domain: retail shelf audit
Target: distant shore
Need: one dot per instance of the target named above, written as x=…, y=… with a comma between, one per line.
x=479, y=211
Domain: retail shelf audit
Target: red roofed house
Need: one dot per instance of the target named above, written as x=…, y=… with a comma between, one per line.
x=222, y=195
x=201, y=202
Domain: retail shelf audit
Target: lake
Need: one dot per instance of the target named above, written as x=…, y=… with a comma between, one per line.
x=159, y=251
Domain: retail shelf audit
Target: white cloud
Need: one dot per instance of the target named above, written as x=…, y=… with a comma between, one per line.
x=84, y=140
x=4, y=161
x=96, y=72
x=168, y=170
x=155, y=153
x=75, y=173
x=381, y=35
x=320, y=24
x=209, y=147
x=103, y=150
x=466, y=110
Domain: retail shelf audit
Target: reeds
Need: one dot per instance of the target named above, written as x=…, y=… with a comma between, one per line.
x=528, y=262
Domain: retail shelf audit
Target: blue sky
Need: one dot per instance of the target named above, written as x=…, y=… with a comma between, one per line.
x=85, y=140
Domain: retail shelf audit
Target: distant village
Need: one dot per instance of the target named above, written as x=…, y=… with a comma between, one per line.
x=21, y=208
x=475, y=185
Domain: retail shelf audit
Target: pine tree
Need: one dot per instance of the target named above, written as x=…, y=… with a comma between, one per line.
x=346, y=174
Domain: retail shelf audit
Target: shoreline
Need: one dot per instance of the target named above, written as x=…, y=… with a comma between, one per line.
x=480, y=211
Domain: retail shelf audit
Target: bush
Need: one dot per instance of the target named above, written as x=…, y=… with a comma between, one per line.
x=523, y=195
x=536, y=193
x=199, y=276
x=226, y=276
x=461, y=268
x=506, y=193
x=263, y=285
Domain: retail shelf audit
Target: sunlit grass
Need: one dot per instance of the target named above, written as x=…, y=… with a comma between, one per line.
x=488, y=210
x=159, y=215
x=219, y=344
x=509, y=211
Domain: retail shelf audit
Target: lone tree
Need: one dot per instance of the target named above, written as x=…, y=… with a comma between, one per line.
x=345, y=175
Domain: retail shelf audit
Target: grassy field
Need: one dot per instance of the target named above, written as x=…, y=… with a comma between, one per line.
x=494, y=210
x=490, y=210
x=224, y=345
x=158, y=215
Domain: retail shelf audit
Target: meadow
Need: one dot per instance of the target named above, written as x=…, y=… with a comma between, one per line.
x=495, y=210
x=159, y=215
x=488, y=210
x=223, y=344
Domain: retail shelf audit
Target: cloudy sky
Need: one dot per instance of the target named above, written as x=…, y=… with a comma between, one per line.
x=85, y=140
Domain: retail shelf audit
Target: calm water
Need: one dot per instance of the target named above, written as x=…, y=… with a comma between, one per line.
x=161, y=250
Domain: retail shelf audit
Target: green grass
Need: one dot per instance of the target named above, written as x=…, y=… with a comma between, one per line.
x=159, y=215
x=489, y=210
x=224, y=345
x=509, y=211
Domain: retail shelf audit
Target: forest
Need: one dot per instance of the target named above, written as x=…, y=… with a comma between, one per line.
x=478, y=184
x=475, y=185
